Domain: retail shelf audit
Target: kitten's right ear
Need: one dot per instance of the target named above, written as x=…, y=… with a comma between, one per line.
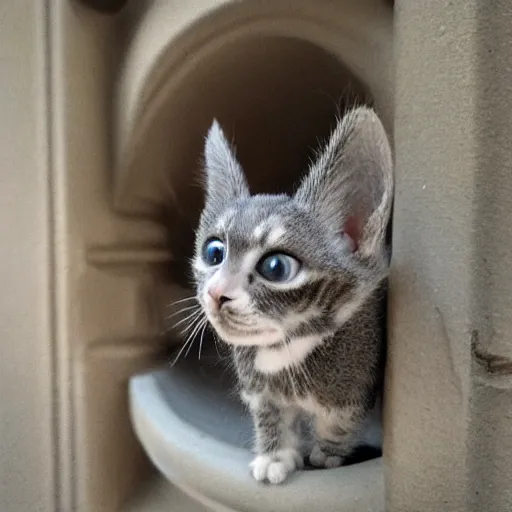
x=225, y=179
x=350, y=186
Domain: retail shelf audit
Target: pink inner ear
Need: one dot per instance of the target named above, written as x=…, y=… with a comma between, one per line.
x=352, y=233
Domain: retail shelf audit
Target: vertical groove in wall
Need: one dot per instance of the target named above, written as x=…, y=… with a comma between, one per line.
x=62, y=380
x=44, y=118
x=52, y=310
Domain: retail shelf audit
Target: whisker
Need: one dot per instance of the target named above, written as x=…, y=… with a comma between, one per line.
x=179, y=353
x=201, y=340
x=198, y=318
x=183, y=310
x=194, y=334
x=180, y=301
x=191, y=315
x=192, y=323
x=196, y=322
x=216, y=346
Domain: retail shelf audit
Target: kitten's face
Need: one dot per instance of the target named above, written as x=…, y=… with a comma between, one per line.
x=273, y=269
x=266, y=269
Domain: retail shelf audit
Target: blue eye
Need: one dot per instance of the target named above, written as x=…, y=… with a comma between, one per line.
x=213, y=252
x=278, y=268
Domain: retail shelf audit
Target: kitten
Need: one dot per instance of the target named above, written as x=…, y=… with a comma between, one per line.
x=295, y=286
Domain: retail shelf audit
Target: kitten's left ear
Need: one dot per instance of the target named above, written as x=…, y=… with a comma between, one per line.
x=350, y=186
x=225, y=179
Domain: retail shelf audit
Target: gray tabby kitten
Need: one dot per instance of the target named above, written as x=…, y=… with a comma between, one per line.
x=295, y=286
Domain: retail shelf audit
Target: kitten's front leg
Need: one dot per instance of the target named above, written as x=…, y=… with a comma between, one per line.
x=277, y=444
x=337, y=434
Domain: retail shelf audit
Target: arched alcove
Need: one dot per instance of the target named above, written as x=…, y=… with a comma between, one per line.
x=276, y=80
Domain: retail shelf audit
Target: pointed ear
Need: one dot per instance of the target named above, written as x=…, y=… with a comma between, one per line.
x=225, y=179
x=350, y=186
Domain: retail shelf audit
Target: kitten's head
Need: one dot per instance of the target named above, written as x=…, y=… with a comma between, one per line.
x=269, y=268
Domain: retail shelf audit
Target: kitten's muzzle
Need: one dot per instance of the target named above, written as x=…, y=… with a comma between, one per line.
x=217, y=299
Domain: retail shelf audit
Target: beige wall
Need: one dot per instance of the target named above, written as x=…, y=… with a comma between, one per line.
x=26, y=328
x=449, y=423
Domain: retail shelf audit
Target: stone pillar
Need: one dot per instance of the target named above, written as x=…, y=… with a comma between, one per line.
x=449, y=398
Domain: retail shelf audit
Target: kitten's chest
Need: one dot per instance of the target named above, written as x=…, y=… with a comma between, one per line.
x=291, y=385
x=282, y=393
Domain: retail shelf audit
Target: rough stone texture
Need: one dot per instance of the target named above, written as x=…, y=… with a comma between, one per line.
x=449, y=397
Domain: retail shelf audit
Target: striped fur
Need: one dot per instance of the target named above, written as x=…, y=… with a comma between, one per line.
x=310, y=350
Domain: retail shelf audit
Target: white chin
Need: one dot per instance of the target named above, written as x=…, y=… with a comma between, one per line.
x=263, y=338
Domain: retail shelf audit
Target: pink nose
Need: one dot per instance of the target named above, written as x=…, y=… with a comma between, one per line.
x=217, y=295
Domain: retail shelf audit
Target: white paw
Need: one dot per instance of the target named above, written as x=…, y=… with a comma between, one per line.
x=276, y=467
x=320, y=460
